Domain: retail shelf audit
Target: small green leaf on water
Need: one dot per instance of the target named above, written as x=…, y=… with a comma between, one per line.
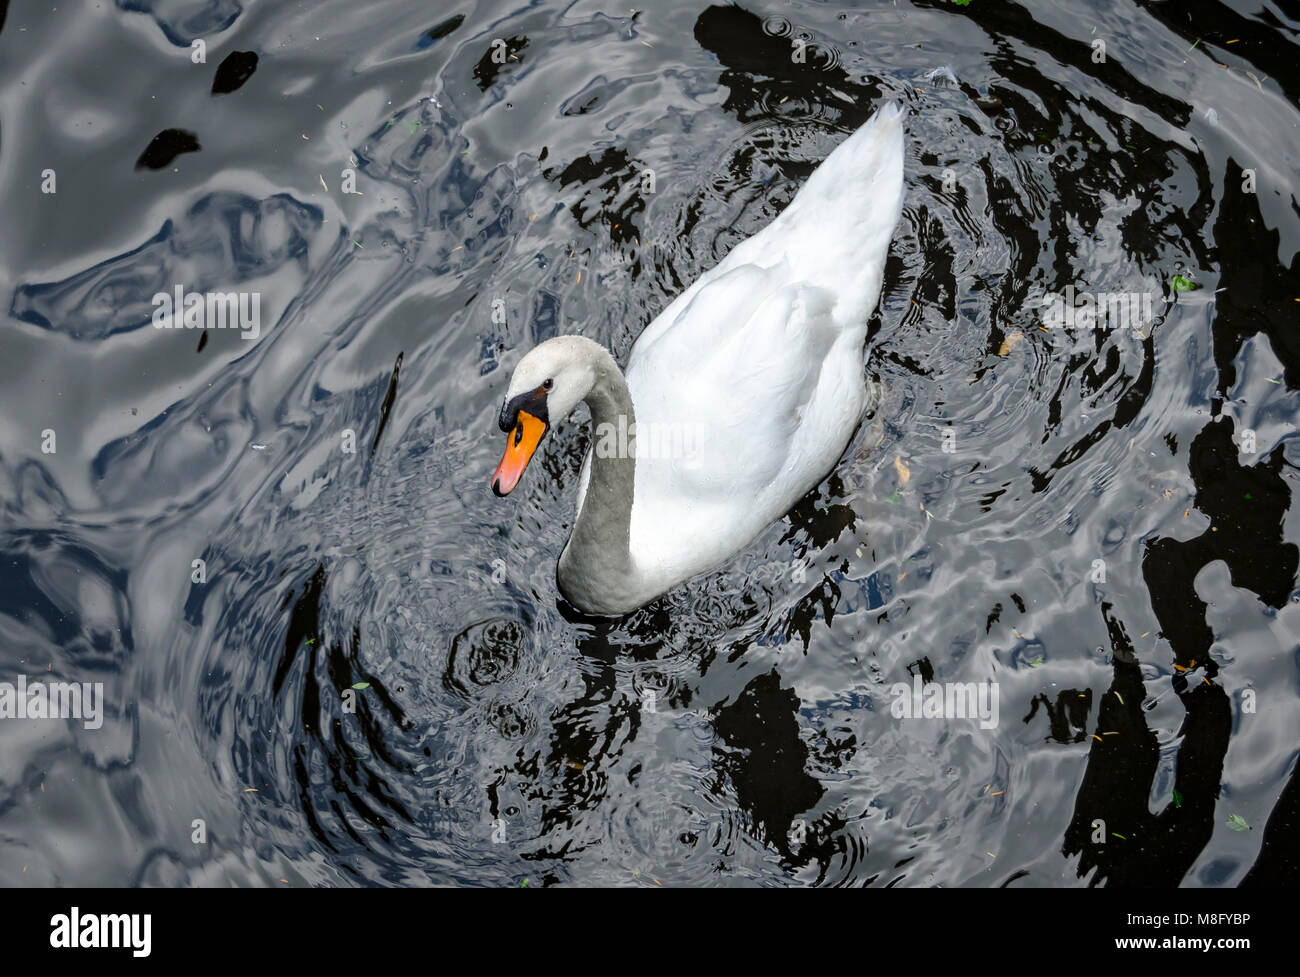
x=894, y=499
x=362, y=685
x=311, y=641
x=412, y=125
x=1182, y=284
x=1119, y=836
x=1036, y=662
x=1237, y=823
x=1178, y=799
x=523, y=884
x=962, y=3
x=1271, y=380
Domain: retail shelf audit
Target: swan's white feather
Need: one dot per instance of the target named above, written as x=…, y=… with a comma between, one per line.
x=764, y=354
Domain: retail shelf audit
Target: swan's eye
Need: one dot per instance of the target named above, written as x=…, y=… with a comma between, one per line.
x=548, y=384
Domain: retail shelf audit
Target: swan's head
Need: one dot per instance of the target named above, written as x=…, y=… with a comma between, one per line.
x=549, y=382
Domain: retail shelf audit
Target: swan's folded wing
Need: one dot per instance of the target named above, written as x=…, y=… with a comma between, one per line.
x=702, y=318
x=740, y=403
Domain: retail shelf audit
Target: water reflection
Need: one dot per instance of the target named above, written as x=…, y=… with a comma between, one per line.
x=372, y=679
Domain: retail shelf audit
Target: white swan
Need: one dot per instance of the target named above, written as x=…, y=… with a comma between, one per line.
x=738, y=399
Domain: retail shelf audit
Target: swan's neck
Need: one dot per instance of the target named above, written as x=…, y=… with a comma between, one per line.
x=596, y=565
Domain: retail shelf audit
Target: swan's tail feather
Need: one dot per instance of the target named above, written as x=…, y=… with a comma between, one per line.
x=846, y=214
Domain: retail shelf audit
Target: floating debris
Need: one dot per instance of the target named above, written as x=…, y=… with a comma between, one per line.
x=943, y=73
x=900, y=466
x=1237, y=823
x=1010, y=342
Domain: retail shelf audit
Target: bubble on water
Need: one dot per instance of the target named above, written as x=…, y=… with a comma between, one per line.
x=777, y=27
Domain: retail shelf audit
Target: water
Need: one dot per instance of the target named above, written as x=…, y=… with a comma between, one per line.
x=373, y=682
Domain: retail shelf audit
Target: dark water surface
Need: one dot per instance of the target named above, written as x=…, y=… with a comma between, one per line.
x=737, y=732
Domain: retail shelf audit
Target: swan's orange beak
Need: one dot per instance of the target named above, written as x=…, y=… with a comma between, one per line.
x=520, y=445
